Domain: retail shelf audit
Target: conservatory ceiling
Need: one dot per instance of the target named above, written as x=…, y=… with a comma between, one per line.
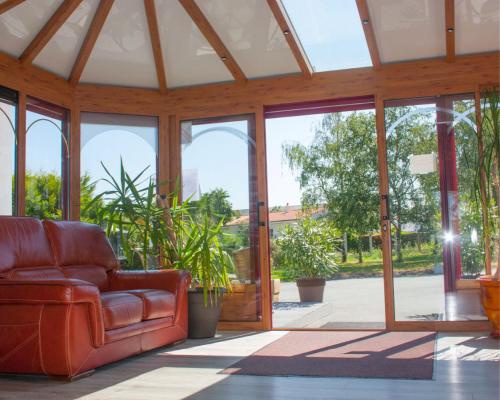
x=174, y=43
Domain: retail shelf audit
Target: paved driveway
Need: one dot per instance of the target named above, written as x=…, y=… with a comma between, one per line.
x=359, y=303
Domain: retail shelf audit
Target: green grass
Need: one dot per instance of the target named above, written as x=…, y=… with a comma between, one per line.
x=414, y=261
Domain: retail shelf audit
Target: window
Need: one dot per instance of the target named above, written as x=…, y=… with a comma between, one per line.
x=47, y=160
x=435, y=217
x=219, y=179
x=330, y=32
x=8, y=133
x=106, y=141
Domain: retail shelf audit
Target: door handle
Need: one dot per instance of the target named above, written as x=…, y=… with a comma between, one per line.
x=387, y=216
x=259, y=205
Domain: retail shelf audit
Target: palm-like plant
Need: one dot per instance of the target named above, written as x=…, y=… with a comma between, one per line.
x=152, y=229
x=194, y=245
x=131, y=212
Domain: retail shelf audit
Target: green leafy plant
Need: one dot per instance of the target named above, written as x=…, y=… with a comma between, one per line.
x=164, y=232
x=130, y=211
x=307, y=250
x=194, y=244
x=487, y=184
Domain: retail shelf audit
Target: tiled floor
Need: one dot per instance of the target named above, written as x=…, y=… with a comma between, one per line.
x=467, y=367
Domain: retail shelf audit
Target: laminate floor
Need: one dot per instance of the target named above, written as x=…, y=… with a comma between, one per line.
x=467, y=367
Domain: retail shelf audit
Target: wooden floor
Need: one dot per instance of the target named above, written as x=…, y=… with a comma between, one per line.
x=467, y=367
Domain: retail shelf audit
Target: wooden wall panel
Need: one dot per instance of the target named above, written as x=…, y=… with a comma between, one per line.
x=74, y=165
x=21, y=156
x=35, y=82
x=384, y=213
x=409, y=79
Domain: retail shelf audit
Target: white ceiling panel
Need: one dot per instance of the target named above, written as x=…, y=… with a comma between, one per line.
x=60, y=53
x=408, y=29
x=189, y=58
x=252, y=36
x=123, y=55
x=477, y=26
x=20, y=24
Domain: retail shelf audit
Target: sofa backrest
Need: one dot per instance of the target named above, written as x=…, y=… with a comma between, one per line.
x=82, y=251
x=25, y=252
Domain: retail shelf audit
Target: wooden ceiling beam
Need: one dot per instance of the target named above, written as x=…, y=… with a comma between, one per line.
x=364, y=14
x=7, y=5
x=449, y=12
x=213, y=38
x=90, y=39
x=49, y=30
x=154, y=34
x=291, y=37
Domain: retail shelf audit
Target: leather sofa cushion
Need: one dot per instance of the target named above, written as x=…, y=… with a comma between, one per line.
x=23, y=244
x=35, y=274
x=120, y=309
x=90, y=273
x=156, y=303
x=78, y=243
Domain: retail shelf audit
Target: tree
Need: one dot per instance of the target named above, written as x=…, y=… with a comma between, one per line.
x=413, y=198
x=215, y=204
x=43, y=196
x=339, y=169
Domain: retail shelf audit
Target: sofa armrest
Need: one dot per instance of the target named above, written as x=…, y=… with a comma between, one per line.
x=175, y=281
x=165, y=279
x=57, y=292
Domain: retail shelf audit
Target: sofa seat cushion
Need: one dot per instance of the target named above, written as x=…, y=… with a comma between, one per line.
x=156, y=303
x=120, y=309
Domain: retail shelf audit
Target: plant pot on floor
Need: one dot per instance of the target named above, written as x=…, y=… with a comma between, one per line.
x=311, y=289
x=490, y=299
x=203, y=319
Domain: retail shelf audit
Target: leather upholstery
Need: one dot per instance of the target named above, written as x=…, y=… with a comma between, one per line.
x=23, y=244
x=78, y=243
x=90, y=273
x=120, y=309
x=52, y=324
x=156, y=303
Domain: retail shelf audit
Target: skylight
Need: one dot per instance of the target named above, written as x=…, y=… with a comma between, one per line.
x=330, y=32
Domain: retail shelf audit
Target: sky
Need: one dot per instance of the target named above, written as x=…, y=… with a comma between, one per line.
x=217, y=158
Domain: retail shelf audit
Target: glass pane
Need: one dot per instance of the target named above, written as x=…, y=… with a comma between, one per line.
x=7, y=157
x=106, y=141
x=330, y=32
x=218, y=178
x=398, y=23
x=46, y=165
x=430, y=153
x=324, y=220
x=252, y=35
x=477, y=26
x=468, y=226
x=123, y=41
x=190, y=61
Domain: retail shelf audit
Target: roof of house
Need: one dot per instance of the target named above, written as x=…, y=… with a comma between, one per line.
x=289, y=214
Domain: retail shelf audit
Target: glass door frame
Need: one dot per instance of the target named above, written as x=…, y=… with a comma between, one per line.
x=368, y=102
x=257, y=200
x=391, y=323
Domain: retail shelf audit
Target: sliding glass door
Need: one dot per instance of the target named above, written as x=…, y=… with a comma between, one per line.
x=219, y=180
x=324, y=214
x=435, y=215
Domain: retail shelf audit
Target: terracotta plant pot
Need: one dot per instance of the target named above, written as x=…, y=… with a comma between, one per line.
x=203, y=319
x=490, y=298
x=311, y=289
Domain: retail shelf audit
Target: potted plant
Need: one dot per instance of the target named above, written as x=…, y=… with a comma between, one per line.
x=131, y=216
x=306, y=252
x=160, y=232
x=194, y=245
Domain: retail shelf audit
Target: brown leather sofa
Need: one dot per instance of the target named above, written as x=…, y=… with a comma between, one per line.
x=66, y=308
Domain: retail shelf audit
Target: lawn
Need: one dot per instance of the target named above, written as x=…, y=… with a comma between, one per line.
x=414, y=262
